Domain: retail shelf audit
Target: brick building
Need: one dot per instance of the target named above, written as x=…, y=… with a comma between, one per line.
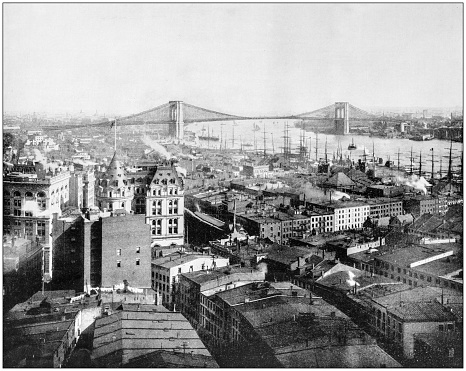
x=94, y=251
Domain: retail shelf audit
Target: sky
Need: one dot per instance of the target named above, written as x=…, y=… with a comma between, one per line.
x=242, y=59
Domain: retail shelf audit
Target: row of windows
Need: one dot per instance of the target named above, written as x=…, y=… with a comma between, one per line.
x=29, y=194
x=118, y=251
x=118, y=263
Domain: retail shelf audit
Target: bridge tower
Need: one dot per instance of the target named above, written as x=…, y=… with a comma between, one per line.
x=176, y=126
x=341, y=118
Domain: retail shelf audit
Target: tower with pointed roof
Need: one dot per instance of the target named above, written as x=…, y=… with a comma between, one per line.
x=113, y=191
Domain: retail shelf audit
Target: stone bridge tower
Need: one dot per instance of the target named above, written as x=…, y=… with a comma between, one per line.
x=341, y=118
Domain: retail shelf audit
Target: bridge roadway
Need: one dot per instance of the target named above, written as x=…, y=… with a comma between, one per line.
x=177, y=114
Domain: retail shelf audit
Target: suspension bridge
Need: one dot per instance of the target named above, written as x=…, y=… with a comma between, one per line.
x=177, y=114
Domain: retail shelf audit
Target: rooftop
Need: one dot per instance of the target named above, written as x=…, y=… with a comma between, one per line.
x=166, y=359
x=136, y=333
x=422, y=312
x=201, y=277
x=349, y=356
x=415, y=253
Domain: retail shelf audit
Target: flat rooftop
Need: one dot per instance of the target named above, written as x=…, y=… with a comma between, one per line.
x=206, y=276
x=414, y=253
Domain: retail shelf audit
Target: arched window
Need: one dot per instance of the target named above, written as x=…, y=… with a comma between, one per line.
x=17, y=194
x=29, y=194
x=41, y=194
x=6, y=193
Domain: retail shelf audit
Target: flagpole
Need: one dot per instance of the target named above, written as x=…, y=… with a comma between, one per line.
x=114, y=124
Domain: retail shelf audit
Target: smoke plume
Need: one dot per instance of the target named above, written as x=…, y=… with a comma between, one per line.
x=161, y=150
x=415, y=182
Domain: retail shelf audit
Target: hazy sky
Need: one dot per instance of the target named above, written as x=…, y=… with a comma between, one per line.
x=245, y=59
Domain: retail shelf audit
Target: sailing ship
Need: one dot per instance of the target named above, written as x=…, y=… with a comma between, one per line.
x=208, y=136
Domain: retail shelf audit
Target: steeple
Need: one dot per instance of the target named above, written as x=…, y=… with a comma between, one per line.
x=113, y=191
x=115, y=174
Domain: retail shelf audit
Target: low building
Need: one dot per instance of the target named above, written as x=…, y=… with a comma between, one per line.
x=166, y=271
x=43, y=331
x=138, y=330
x=430, y=265
x=192, y=285
x=346, y=214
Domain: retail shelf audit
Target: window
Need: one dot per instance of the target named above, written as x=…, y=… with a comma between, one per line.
x=138, y=261
x=172, y=226
x=179, y=270
x=440, y=327
x=118, y=252
x=118, y=263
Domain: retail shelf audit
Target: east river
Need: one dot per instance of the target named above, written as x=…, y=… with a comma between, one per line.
x=245, y=136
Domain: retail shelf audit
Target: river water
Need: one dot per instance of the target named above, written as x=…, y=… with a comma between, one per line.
x=243, y=133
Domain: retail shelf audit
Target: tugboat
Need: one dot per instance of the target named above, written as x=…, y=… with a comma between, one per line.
x=352, y=146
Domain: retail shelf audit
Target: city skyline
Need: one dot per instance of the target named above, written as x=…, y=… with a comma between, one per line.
x=244, y=59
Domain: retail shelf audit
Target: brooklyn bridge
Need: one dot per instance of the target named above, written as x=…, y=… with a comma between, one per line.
x=177, y=114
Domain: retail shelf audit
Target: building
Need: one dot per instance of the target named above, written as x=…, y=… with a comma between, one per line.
x=113, y=190
x=384, y=207
x=383, y=190
x=346, y=214
x=430, y=265
x=126, y=252
x=256, y=171
x=44, y=330
x=133, y=331
x=156, y=191
x=101, y=251
x=192, y=285
x=281, y=325
x=427, y=204
x=31, y=194
x=165, y=206
x=279, y=226
x=166, y=271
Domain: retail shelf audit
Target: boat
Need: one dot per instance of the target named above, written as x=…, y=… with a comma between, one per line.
x=208, y=136
x=421, y=138
x=214, y=139
x=352, y=146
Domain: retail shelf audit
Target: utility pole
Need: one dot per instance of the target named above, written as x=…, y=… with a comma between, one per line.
x=273, y=144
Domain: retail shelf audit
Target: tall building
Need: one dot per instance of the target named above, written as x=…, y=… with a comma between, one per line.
x=93, y=251
x=155, y=190
x=31, y=194
x=165, y=206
